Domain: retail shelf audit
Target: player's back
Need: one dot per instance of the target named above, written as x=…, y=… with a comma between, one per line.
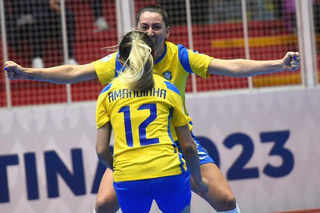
x=141, y=122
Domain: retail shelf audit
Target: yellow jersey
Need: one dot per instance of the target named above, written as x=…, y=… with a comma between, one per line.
x=175, y=65
x=141, y=120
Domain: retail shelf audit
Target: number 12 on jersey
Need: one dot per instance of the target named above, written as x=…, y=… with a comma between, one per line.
x=142, y=127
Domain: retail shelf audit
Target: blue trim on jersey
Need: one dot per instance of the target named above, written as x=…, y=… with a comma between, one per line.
x=184, y=58
x=182, y=163
x=172, y=87
x=193, y=136
x=174, y=143
x=106, y=88
x=163, y=54
x=119, y=67
x=169, y=130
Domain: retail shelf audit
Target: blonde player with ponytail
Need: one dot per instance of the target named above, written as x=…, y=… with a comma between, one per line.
x=137, y=56
x=140, y=107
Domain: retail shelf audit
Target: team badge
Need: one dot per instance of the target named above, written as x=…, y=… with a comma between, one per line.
x=167, y=75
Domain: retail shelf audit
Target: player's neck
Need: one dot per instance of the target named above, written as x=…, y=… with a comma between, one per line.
x=160, y=52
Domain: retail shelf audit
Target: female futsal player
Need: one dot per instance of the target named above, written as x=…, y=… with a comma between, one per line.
x=175, y=63
x=140, y=106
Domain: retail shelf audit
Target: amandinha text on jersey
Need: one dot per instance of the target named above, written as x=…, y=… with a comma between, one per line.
x=128, y=93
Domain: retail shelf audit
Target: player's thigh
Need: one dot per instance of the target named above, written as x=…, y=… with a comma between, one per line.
x=106, y=193
x=219, y=189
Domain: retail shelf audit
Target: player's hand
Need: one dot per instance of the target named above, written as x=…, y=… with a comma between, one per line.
x=202, y=186
x=14, y=71
x=55, y=5
x=291, y=61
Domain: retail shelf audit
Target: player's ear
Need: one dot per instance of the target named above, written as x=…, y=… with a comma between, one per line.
x=168, y=32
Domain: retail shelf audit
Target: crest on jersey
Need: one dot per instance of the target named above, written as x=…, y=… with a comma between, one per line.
x=167, y=75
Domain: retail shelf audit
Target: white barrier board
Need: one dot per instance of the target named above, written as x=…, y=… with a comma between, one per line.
x=266, y=143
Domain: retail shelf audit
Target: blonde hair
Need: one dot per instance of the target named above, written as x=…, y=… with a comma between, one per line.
x=136, y=49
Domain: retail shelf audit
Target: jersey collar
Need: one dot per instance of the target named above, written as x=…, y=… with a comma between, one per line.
x=163, y=54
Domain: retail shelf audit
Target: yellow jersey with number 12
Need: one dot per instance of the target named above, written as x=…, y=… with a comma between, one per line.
x=141, y=120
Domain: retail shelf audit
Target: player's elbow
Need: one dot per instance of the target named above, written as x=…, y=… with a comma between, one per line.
x=104, y=156
x=101, y=152
x=189, y=148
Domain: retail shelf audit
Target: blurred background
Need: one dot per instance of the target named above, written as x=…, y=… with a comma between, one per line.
x=36, y=33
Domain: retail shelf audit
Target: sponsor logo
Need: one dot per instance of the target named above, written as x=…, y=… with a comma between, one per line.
x=201, y=158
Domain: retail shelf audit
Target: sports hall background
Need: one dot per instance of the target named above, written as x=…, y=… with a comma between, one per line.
x=264, y=131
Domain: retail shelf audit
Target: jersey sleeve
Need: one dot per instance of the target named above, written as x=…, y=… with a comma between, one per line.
x=106, y=68
x=194, y=62
x=102, y=116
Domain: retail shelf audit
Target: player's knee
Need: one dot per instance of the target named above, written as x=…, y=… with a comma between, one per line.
x=227, y=203
x=230, y=202
x=106, y=206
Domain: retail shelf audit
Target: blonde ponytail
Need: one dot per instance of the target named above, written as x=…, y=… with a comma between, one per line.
x=137, y=50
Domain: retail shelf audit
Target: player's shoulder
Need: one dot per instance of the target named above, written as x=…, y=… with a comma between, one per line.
x=175, y=47
x=171, y=45
x=109, y=57
x=106, y=88
x=114, y=84
x=162, y=82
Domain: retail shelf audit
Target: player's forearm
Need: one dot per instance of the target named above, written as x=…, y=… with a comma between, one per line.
x=106, y=159
x=244, y=68
x=102, y=145
x=191, y=156
x=247, y=68
x=189, y=151
x=61, y=74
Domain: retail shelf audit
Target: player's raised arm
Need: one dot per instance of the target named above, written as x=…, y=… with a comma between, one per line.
x=247, y=68
x=60, y=74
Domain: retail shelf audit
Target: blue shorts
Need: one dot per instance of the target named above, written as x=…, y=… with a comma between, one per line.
x=172, y=194
x=203, y=155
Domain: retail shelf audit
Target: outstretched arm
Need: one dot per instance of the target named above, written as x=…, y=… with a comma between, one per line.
x=60, y=74
x=247, y=68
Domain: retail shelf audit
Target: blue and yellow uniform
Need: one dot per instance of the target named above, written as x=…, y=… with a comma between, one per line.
x=144, y=148
x=175, y=65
